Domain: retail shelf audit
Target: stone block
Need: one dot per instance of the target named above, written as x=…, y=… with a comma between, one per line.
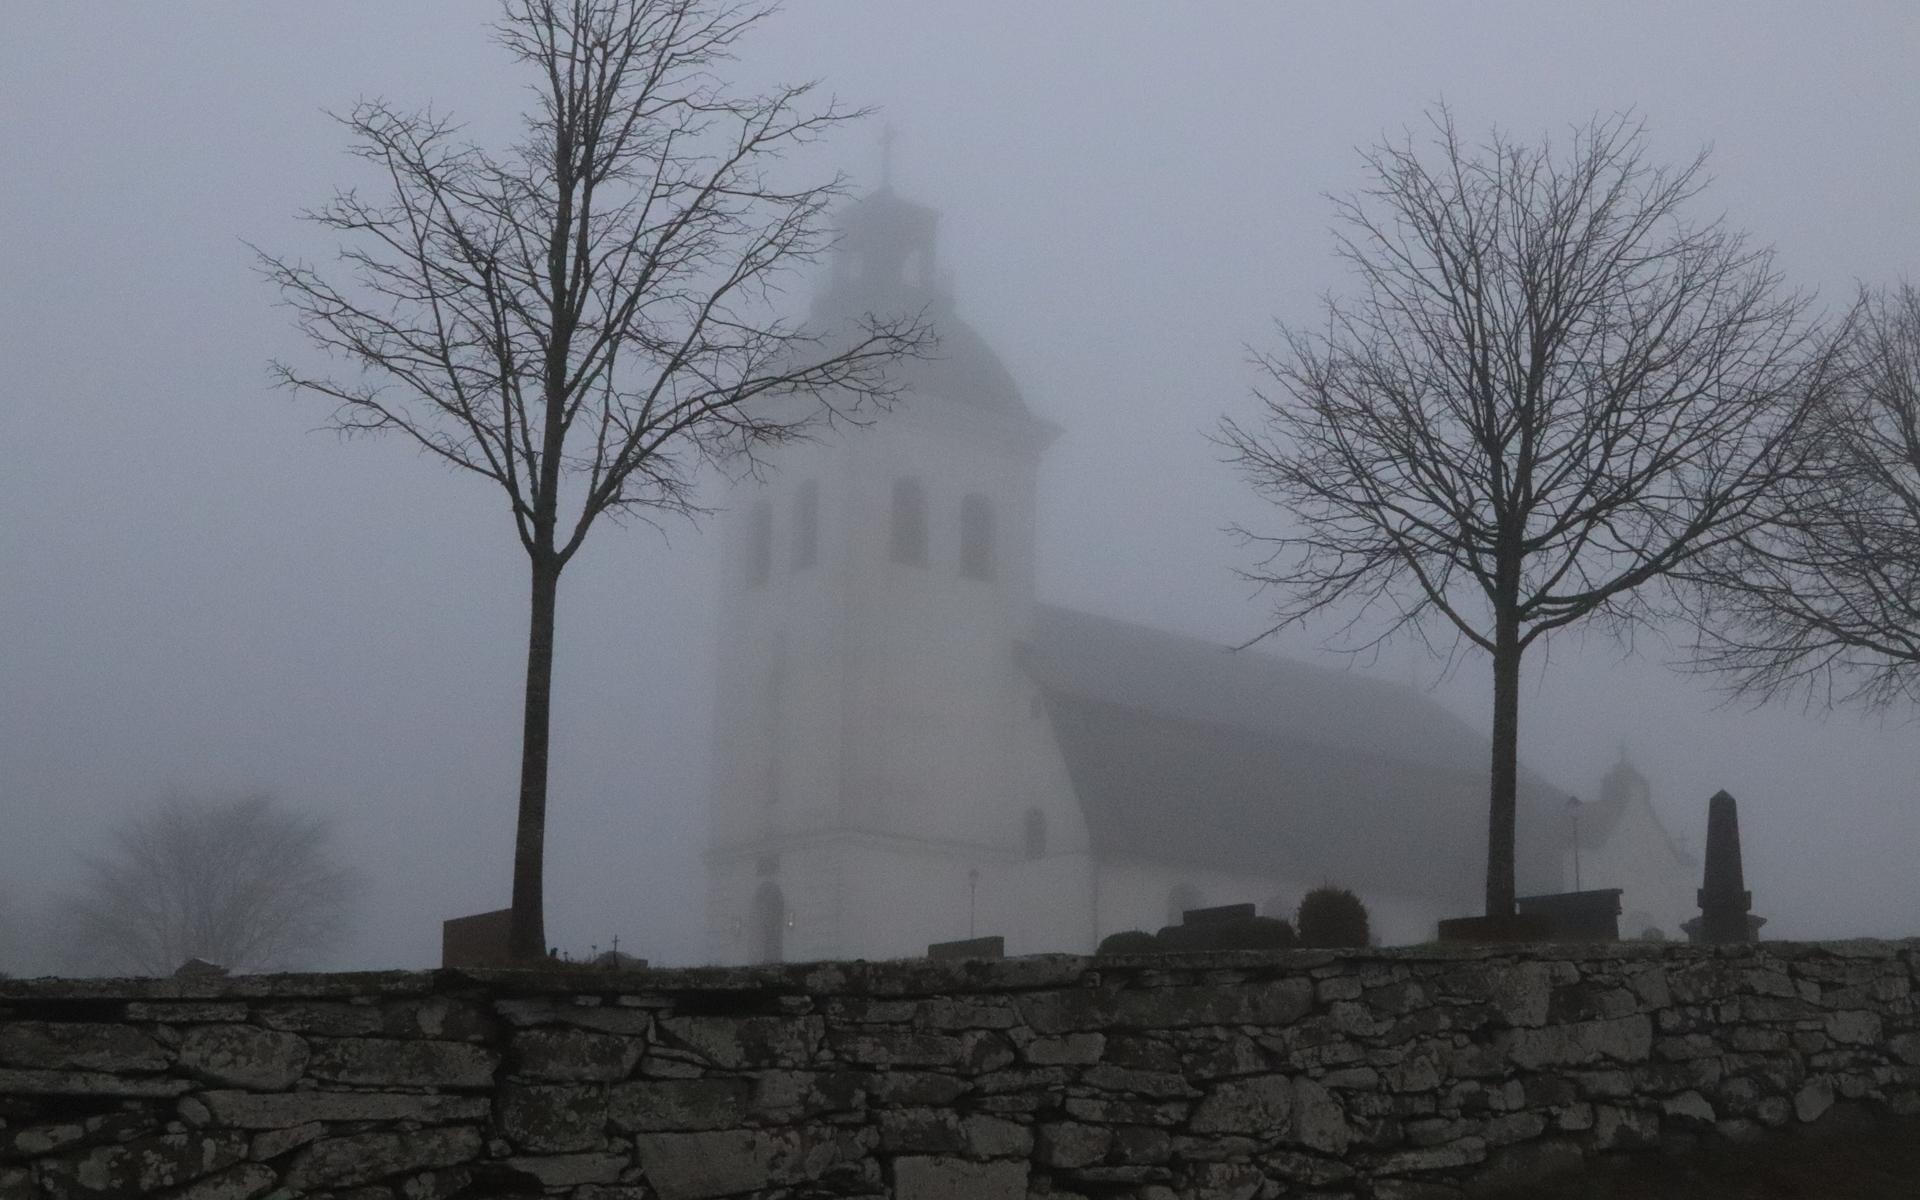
x=364, y=1157
x=441, y=1018
x=947, y=1012
x=1854, y=1028
x=929, y=1087
x=1813, y=1099
x=1622, y=1039
x=1162, y=1085
x=693, y=1166
x=525, y=1012
x=1223, y=1181
x=1069, y=1144
x=572, y=1170
x=1073, y=1048
x=920, y=1131
x=664, y=1105
x=378, y=1062
x=79, y=1046
x=1617, y=1128
x=244, y=1056
x=249, y=1110
x=142, y=1166
x=553, y=1117
x=187, y=1012
x=931, y=1178
x=1690, y=1108
x=995, y=1137
x=275, y=1142
x=89, y=1083
x=574, y=1055
x=737, y=1043
x=32, y=1141
x=242, y=1182
x=1451, y=1156
x=322, y=1018
x=1319, y=1120
x=1261, y=1106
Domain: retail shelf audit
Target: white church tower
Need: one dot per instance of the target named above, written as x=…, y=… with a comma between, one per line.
x=875, y=738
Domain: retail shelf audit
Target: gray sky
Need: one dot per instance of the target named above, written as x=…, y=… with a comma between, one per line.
x=198, y=591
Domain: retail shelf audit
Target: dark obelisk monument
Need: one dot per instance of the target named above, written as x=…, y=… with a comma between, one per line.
x=1724, y=899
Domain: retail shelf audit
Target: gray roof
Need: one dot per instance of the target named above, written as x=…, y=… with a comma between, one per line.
x=1186, y=751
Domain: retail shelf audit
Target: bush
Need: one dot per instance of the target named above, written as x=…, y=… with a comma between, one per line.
x=1130, y=941
x=1332, y=917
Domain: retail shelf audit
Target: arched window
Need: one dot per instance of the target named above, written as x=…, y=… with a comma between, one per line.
x=908, y=542
x=1183, y=897
x=976, y=537
x=1036, y=833
x=806, y=525
x=769, y=923
x=760, y=543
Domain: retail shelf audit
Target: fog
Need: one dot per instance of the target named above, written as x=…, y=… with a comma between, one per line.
x=200, y=590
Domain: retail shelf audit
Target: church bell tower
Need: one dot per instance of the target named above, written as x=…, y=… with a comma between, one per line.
x=875, y=583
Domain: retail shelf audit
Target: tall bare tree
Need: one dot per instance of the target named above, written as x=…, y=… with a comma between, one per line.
x=240, y=882
x=1825, y=598
x=1552, y=389
x=589, y=315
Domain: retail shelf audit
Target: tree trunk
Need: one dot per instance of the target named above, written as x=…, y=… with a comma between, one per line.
x=1505, y=774
x=527, y=941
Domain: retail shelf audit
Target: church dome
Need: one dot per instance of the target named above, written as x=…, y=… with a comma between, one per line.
x=884, y=265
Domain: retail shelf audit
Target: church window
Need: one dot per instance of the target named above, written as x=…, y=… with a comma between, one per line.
x=769, y=923
x=1183, y=897
x=760, y=544
x=1036, y=833
x=976, y=537
x=908, y=543
x=806, y=525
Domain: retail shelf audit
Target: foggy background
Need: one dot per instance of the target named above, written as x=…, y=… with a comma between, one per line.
x=198, y=592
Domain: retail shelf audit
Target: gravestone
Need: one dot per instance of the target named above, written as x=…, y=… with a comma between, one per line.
x=480, y=940
x=980, y=947
x=1725, y=903
x=1589, y=916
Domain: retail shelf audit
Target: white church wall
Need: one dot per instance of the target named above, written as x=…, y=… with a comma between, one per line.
x=809, y=879
x=1657, y=886
x=903, y=895
x=934, y=687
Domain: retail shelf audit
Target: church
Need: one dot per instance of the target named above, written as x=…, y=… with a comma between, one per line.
x=911, y=747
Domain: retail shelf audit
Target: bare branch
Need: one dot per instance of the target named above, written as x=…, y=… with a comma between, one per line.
x=1822, y=600
x=1551, y=396
x=587, y=316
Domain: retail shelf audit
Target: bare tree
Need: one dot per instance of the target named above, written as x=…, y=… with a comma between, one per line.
x=240, y=882
x=1824, y=598
x=1552, y=390
x=589, y=316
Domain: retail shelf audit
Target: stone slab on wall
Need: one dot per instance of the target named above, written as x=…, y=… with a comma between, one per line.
x=1408, y=1073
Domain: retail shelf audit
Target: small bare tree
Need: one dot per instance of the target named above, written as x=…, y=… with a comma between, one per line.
x=1824, y=599
x=1552, y=391
x=243, y=883
x=589, y=316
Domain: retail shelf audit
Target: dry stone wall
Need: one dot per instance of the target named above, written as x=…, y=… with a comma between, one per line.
x=1410, y=1074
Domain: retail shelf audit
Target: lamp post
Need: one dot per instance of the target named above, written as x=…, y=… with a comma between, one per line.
x=1573, y=812
x=973, y=892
